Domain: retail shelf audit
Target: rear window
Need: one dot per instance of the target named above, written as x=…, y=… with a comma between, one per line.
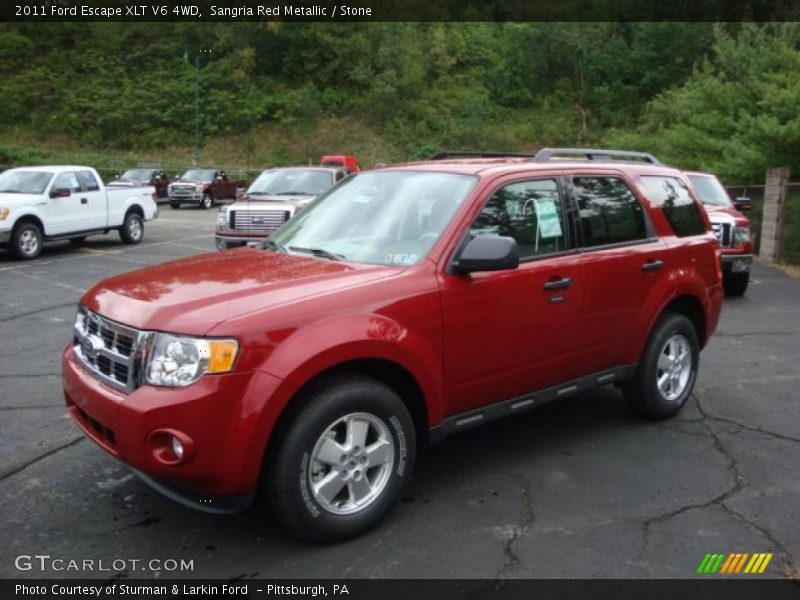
x=671, y=195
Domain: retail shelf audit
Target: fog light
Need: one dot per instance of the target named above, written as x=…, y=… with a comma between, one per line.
x=177, y=448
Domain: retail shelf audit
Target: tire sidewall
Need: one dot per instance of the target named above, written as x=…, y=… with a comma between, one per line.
x=126, y=234
x=655, y=405
x=207, y=201
x=17, y=235
x=311, y=519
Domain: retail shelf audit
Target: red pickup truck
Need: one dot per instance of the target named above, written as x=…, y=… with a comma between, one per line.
x=405, y=304
x=732, y=229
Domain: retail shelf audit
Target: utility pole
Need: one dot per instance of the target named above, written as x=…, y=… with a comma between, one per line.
x=196, y=156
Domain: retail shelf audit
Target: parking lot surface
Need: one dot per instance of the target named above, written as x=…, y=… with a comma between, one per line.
x=576, y=489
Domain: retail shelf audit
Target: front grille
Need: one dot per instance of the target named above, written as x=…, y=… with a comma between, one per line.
x=723, y=233
x=259, y=220
x=111, y=351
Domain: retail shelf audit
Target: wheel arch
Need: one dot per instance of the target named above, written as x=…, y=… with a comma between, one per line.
x=29, y=218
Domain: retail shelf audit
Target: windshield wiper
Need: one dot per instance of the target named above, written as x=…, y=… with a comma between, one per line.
x=274, y=245
x=9, y=191
x=292, y=194
x=321, y=252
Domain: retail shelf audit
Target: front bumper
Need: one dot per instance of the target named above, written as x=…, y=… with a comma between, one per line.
x=224, y=241
x=186, y=198
x=5, y=237
x=734, y=264
x=221, y=414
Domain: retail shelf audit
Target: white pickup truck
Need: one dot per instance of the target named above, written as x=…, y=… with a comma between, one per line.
x=39, y=204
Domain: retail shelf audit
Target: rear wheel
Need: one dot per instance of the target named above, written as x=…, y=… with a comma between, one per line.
x=736, y=285
x=343, y=460
x=132, y=230
x=207, y=201
x=26, y=241
x=667, y=371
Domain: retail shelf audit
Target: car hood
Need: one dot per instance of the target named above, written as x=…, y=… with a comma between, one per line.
x=194, y=294
x=715, y=210
x=14, y=200
x=258, y=200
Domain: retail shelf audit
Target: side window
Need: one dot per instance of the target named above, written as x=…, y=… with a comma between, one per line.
x=609, y=212
x=89, y=181
x=672, y=196
x=67, y=181
x=528, y=211
x=340, y=175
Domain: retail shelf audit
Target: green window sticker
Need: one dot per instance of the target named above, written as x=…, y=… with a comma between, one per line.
x=547, y=215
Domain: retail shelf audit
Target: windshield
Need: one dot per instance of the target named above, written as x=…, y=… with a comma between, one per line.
x=710, y=190
x=198, y=175
x=309, y=182
x=137, y=174
x=381, y=217
x=24, y=182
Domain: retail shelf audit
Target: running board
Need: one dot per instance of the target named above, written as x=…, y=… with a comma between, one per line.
x=526, y=402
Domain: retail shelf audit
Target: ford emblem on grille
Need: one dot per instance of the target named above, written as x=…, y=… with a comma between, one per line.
x=91, y=346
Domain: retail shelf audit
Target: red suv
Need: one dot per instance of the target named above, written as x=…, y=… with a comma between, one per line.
x=405, y=304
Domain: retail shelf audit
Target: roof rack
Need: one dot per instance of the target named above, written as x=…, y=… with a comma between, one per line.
x=469, y=154
x=547, y=154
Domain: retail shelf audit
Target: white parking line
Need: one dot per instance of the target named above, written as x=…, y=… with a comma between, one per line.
x=90, y=252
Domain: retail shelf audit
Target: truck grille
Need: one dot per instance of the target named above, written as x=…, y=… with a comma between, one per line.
x=112, y=352
x=259, y=220
x=723, y=233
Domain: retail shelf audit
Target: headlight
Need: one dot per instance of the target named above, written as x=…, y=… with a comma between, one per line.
x=179, y=361
x=199, y=186
x=222, y=218
x=741, y=235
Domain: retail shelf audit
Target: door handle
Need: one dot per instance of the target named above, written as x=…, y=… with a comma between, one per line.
x=84, y=201
x=558, y=284
x=652, y=265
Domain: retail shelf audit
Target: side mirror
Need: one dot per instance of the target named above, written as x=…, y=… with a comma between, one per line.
x=60, y=193
x=487, y=253
x=742, y=203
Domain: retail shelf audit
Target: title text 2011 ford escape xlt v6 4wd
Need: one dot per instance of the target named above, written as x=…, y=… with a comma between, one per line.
x=405, y=304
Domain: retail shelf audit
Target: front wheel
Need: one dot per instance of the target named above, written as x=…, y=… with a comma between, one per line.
x=175, y=205
x=667, y=370
x=341, y=463
x=132, y=230
x=26, y=241
x=207, y=201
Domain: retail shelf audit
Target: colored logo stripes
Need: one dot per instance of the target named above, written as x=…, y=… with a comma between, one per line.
x=742, y=562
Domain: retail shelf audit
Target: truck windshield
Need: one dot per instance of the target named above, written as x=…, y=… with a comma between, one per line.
x=710, y=190
x=306, y=182
x=24, y=182
x=198, y=175
x=380, y=217
x=137, y=174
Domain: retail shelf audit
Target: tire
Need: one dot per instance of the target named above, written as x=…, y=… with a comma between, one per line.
x=77, y=240
x=653, y=393
x=207, y=201
x=26, y=241
x=175, y=205
x=736, y=285
x=132, y=230
x=314, y=446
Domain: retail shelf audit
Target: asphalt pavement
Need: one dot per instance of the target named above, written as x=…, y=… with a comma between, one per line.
x=576, y=489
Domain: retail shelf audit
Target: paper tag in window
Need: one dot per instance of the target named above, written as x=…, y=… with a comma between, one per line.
x=547, y=215
x=400, y=259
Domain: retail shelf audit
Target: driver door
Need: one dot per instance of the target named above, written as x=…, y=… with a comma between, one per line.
x=507, y=333
x=65, y=214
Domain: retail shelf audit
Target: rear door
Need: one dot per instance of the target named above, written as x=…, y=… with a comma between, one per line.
x=93, y=201
x=623, y=261
x=510, y=332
